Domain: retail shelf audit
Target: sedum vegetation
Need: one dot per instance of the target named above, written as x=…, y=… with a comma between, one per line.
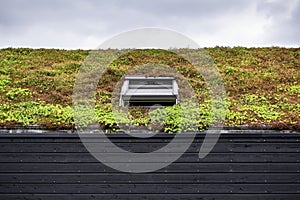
x=262, y=86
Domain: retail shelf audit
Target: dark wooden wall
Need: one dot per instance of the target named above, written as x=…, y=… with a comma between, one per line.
x=241, y=166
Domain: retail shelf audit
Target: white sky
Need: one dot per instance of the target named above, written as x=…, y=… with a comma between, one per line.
x=85, y=24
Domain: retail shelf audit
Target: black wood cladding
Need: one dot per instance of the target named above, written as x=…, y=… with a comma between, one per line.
x=240, y=166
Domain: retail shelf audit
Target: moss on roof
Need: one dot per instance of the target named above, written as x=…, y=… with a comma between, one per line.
x=262, y=86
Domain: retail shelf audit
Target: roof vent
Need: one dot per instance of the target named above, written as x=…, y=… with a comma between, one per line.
x=149, y=91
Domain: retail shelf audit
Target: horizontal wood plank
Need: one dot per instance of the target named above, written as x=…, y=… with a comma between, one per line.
x=151, y=196
x=142, y=148
x=175, y=167
x=57, y=157
x=166, y=178
x=134, y=188
x=262, y=166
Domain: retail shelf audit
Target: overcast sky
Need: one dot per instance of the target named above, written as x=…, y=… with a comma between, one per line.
x=85, y=24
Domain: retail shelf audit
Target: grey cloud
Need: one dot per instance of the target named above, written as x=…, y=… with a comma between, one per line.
x=80, y=23
x=285, y=27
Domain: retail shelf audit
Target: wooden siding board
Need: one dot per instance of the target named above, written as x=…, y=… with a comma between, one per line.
x=261, y=166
